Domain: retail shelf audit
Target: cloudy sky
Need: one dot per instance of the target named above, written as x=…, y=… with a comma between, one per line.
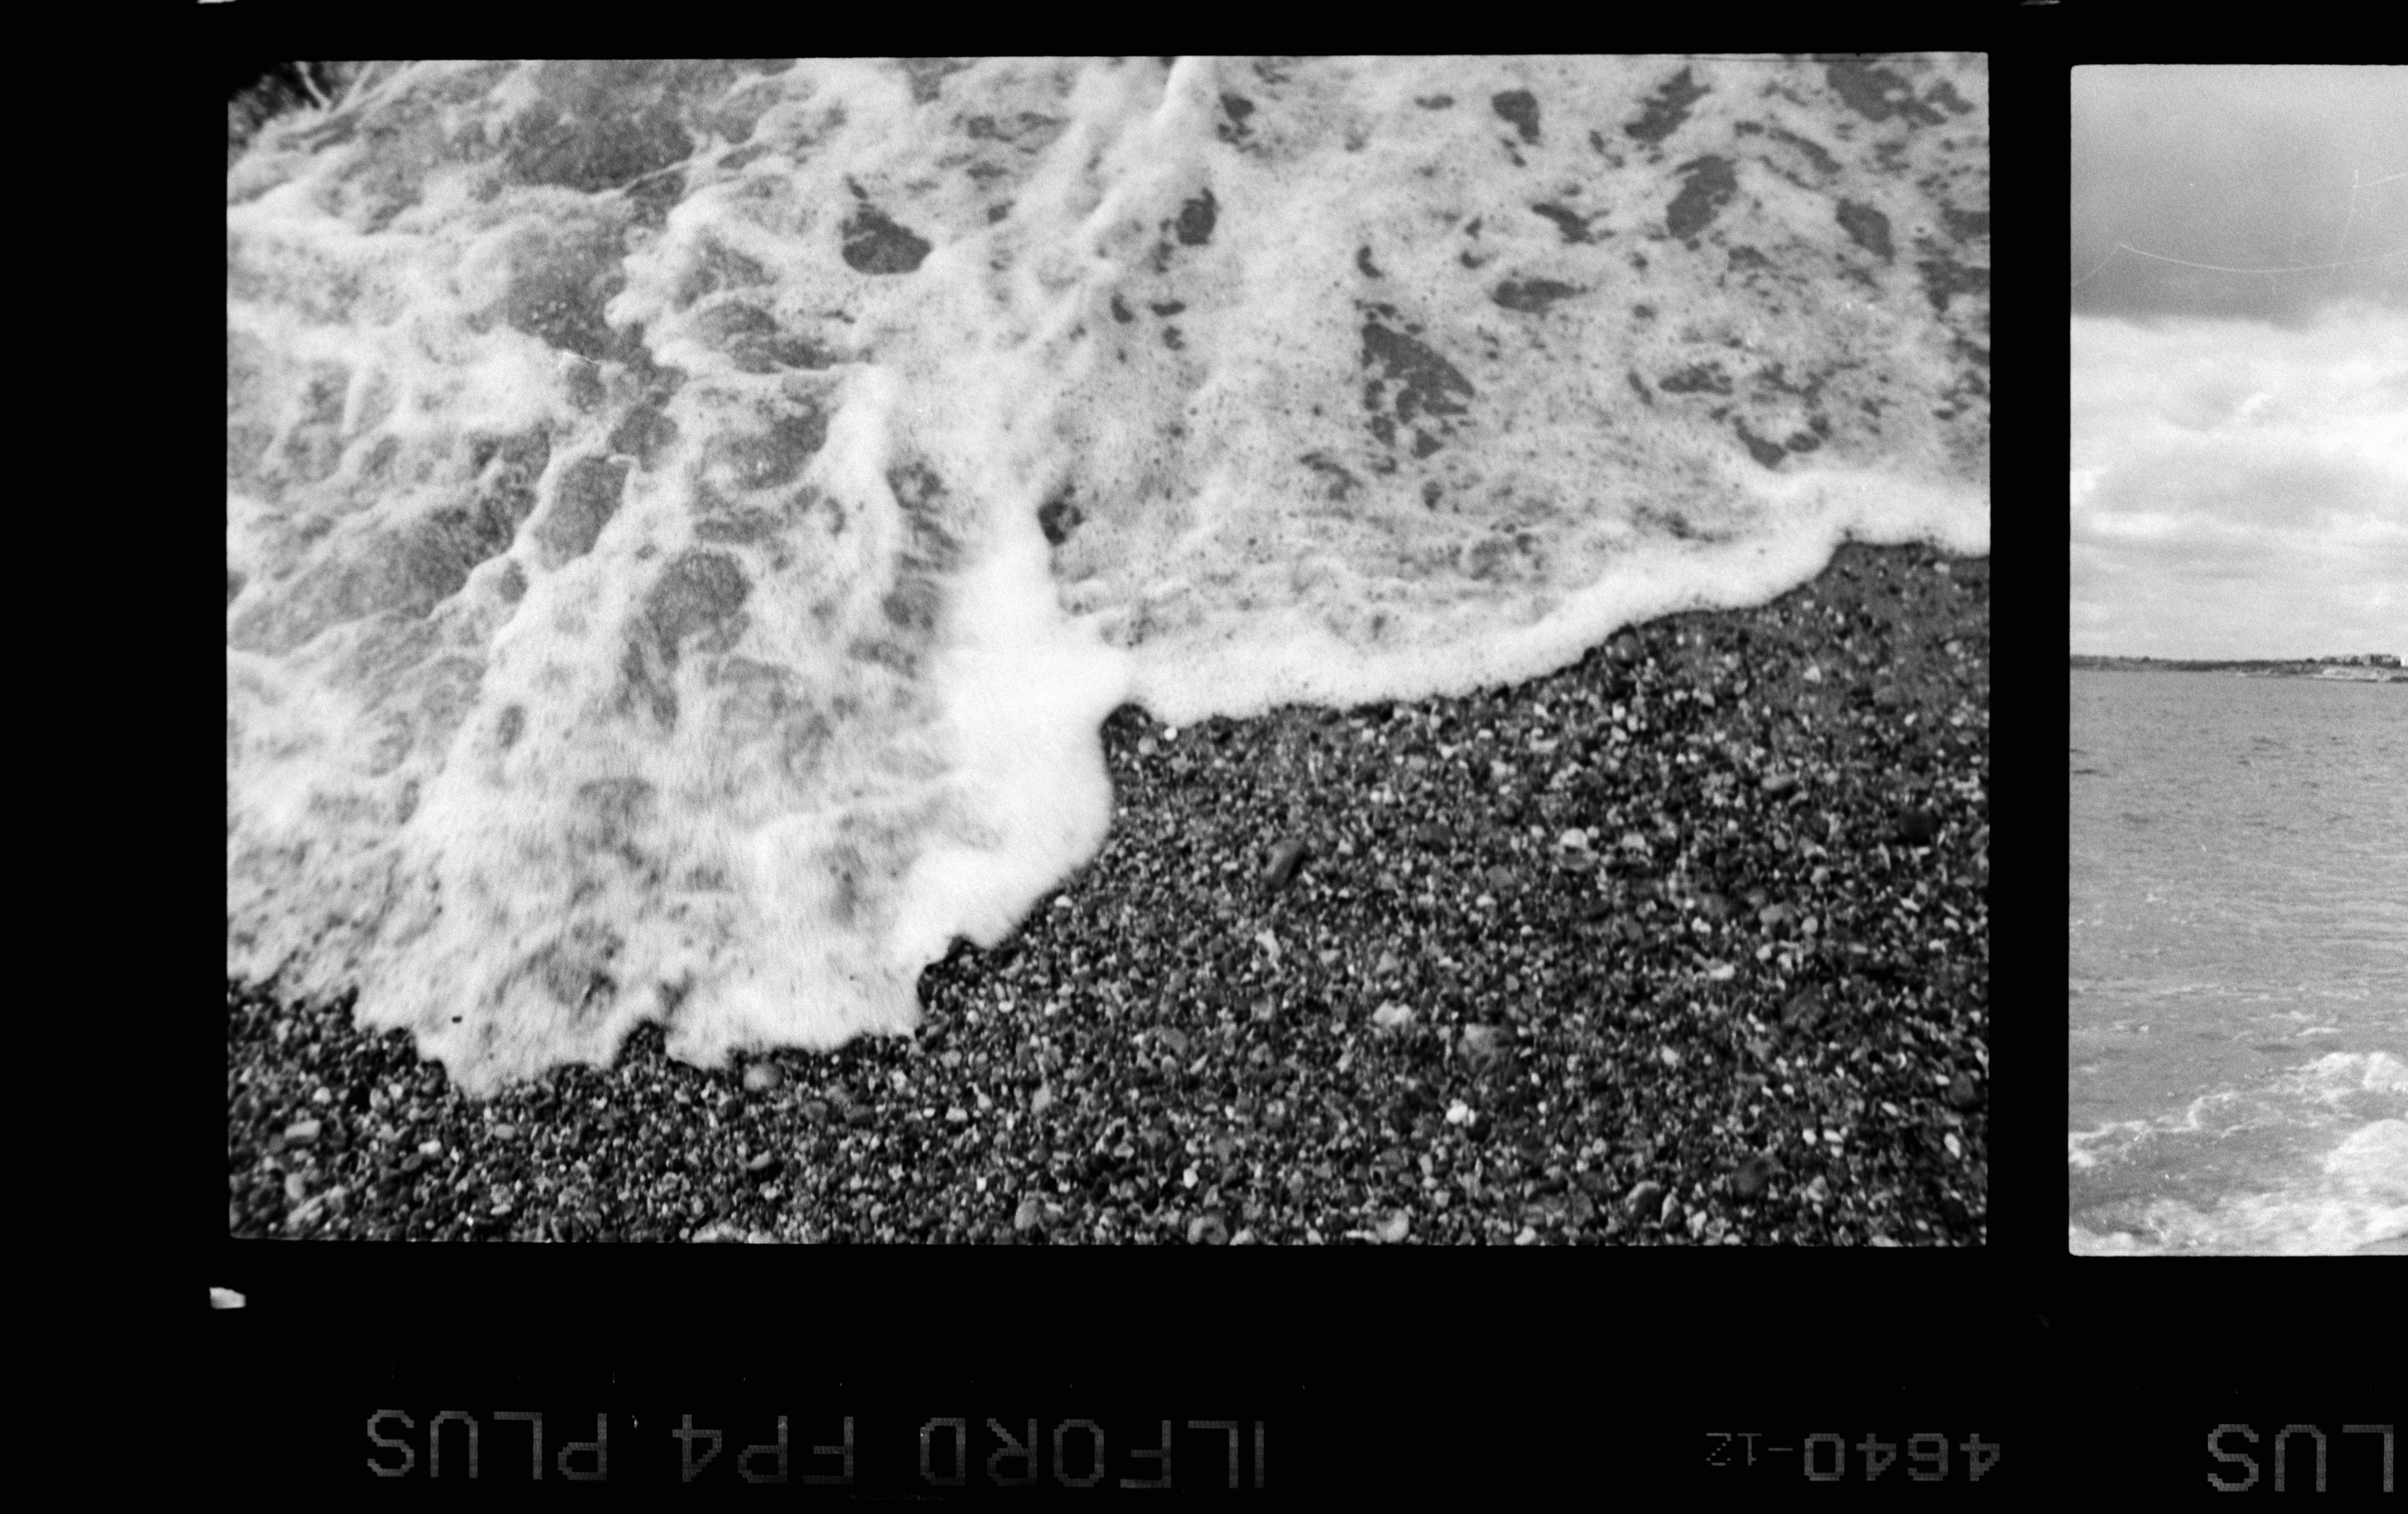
x=2239, y=291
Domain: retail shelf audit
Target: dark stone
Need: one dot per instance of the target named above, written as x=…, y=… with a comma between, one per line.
x=874, y=244
x=1059, y=517
x=1196, y=219
x=1944, y=277
x=1521, y=108
x=1532, y=296
x=1709, y=183
x=1666, y=111
x=1867, y=227
x=1878, y=94
x=1570, y=223
x=1699, y=379
x=1283, y=860
x=1425, y=382
x=1237, y=108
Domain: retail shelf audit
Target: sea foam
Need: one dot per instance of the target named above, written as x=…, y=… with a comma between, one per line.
x=686, y=521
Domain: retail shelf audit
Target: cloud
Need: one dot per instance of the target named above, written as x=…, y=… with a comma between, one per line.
x=2240, y=489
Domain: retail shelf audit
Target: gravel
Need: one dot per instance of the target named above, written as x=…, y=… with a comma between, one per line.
x=1685, y=945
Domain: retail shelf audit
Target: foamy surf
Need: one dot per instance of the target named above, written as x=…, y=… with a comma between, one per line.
x=2284, y=1182
x=686, y=521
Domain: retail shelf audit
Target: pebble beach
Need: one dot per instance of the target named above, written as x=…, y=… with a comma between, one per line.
x=1686, y=944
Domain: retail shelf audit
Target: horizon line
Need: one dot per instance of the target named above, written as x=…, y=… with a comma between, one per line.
x=2147, y=656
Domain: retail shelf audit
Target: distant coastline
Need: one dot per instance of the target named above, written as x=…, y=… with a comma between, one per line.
x=2363, y=669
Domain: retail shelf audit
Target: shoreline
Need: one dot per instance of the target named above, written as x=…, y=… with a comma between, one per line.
x=2329, y=671
x=1339, y=974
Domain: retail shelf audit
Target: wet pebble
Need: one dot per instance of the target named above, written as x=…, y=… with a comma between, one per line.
x=1283, y=860
x=1916, y=827
x=1753, y=1174
x=1481, y=1044
x=1964, y=1093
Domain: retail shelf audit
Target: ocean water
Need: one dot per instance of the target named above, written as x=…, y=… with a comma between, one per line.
x=2238, y=945
x=686, y=521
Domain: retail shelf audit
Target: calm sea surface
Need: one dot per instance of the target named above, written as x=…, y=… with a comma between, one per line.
x=2238, y=945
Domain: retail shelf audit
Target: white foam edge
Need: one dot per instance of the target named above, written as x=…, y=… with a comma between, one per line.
x=1304, y=663
x=1027, y=690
